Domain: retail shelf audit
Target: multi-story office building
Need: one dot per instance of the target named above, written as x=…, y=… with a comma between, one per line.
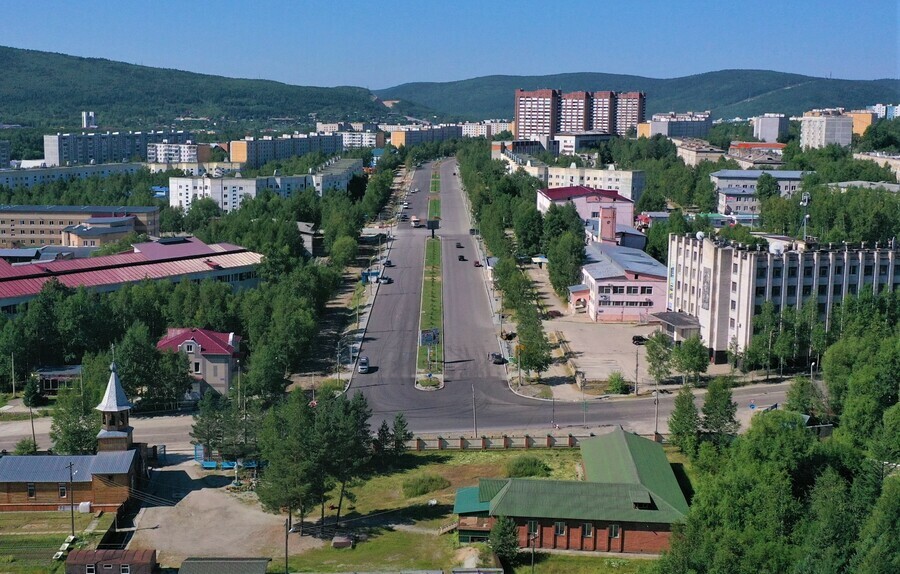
x=416, y=135
x=689, y=125
x=354, y=140
x=627, y=183
x=603, y=112
x=255, y=152
x=108, y=147
x=788, y=181
x=630, y=111
x=570, y=143
x=88, y=120
x=717, y=288
x=31, y=177
x=692, y=151
x=818, y=131
x=885, y=111
x=37, y=225
x=537, y=114
x=544, y=113
x=5, y=154
x=575, y=112
x=588, y=202
x=770, y=127
x=165, y=152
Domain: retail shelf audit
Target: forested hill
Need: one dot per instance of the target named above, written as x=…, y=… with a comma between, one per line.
x=727, y=93
x=51, y=90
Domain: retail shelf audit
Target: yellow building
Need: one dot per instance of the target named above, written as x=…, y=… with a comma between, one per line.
x=862, y=119
x=643, y=130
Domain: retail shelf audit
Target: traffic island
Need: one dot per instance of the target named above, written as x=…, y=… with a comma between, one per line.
x=430, y=353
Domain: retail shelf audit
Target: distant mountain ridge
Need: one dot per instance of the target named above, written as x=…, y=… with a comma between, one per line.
x=726, y=93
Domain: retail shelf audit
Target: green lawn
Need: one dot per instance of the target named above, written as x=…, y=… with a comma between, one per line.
x=565, y=564
x=388, y=549
x=434, y=208
x=22, y=551
x=435, y=182
x=432, y=313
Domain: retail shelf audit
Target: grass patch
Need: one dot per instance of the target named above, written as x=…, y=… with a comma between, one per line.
x=330, y=387
x=38, y=413
x=564, y=564
x=423, y=484
x=432, y=314
x=389, y=550
x=429, y=383
x=435, y=182
x=434, y=208
x=526, y=465
x=545, y=392
x=28, y=540
x=42, y=522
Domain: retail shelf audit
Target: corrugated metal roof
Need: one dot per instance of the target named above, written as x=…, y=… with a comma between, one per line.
x=755, y=173
x=605, y=261
x=210, y=342
x=104, y=209
x=114, y=399
x=467, y=501
x=54, y=468
x=489, y=487
x=567, y=193
x=117, y=557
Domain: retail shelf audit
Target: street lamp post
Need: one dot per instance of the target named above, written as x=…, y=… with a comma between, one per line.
x=531, y=539
x=71, y=495
x=812, y=368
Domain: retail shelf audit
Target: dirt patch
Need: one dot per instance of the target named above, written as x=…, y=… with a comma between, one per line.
x=209, y=521
x=468, y=556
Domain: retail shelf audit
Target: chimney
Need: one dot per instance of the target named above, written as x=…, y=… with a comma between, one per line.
x=607, y=224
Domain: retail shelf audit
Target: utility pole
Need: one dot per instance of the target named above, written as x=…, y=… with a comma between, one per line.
x=656, y=424
x=636, y=363
x=583, y=406
x=287, y=530
x=12, y=372
x=33, y=437
x=474, y=415
x=71, y=495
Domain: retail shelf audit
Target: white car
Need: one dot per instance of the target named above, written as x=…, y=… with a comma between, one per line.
x=363, y=365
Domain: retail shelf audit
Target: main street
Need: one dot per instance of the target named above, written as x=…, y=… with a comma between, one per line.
x=469, y=335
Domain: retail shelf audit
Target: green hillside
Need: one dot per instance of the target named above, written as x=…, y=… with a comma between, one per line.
x=727, y=93
x=51, y=90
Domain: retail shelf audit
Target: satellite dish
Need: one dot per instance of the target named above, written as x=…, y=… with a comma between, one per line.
x=700, y=235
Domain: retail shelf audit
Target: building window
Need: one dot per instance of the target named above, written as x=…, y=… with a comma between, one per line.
x=604, y=290
x=823, y=289
x=807, y=271
x=731, y=322
x=587, y=530
x=618, y=290
x=646, y=290
x=62, y=491
x=189, y=348
x=836, y=290
x=792, y=271
x=631, y=290
x=867, y=270
x=125, y=569
x=733, y=304
x=89, y=569
x=613, y=530
x=196, y=366
x=30, y=488
x=532, y=527
x=560, y=528
x=776, y=272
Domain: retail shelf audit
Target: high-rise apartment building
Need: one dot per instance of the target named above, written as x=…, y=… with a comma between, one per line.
x=862, y=119
x=822, y=130
x=630, y=111
x=255, y=152
x=770, y=127
x=108, y=147
x=166, y=152
x=88, y=120
x=885, y=111
x=5, y=154
x=689, y=125
x=544, y=113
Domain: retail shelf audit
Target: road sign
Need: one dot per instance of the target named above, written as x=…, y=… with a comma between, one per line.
x=752, y=405
x=428, y=337
x=428, y=375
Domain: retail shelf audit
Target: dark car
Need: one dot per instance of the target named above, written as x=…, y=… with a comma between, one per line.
x=462, y=257
x=478, y=263
x=496, y=358
x=458, y=245
x=385, y=280
x=638, y=340
x=388, y=263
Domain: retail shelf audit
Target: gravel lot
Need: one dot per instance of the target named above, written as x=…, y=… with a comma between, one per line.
x=210, y=521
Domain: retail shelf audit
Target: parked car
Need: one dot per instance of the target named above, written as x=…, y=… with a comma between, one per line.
x=388, y=263
x=458, y=245
x=384, y=280
x=363, y=365
x=554, y=314
x=497, y=358
x=478, y=263
x=462, y=257
x=638, y=340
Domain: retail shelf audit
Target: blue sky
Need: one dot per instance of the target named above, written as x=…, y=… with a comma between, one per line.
x=378, y=44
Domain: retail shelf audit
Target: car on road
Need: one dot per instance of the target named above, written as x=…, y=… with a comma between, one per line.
x=458, y=245
x=405, y=206
x=384, y=280
x=638, y=340
x=363, y=365
x=477, y=263
x=462, y=257
x=554, y=314
x=496, y=358
x=388, y=263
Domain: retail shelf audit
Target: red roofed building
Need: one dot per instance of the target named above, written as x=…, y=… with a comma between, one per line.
x=111, y=562
x=170, y=258
x=212, y=357
x=588, y=202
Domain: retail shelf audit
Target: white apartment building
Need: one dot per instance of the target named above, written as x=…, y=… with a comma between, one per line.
x=720, y=287
x=725, y=179
x=355, y=140
x=165, y=152
x=820, y=131
x=336, y=174
x=628, y=183
x=769, y=127
x=31, y=177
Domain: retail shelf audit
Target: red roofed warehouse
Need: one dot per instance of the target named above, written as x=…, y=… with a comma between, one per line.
x=212, y=356
x=588, y=202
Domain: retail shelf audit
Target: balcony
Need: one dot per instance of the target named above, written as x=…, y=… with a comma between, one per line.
x=475, y=523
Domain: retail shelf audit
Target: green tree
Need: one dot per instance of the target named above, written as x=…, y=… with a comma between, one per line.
x=343, y=251
x=804, y=397
x=400, y=435
x=31, y=396
x=767, y=187
x=137, y=360
x=691, y=357
x=886, y=445
x=684, y=423
x=200, y=214
x=719, y=412
x=209, y=426
x=26, y=446
x=659, y=356
x=529, y=226
x=876, y=551
x=559, y=220
x=565, y=257
x=616, y=384
x=504, y=540
x=827, y=544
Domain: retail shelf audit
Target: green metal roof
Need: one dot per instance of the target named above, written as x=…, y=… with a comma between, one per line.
x=628, y=478
x=467, y=501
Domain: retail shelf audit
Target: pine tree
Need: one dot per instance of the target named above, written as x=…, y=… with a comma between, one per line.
x=504, y=540
x=31, y=396
x=400, y=434
x=684, y=423
x=719, y=412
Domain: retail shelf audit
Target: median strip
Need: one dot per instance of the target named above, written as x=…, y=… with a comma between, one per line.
x=431, y=318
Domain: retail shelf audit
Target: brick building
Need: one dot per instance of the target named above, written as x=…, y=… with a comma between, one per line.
x=627, y=503
x=111, y=562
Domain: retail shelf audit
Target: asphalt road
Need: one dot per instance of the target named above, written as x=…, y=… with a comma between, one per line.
x=469, y=336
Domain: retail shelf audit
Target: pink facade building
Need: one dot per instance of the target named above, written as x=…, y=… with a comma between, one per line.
x=620, y=285
x=589, y=202
x=212, y=357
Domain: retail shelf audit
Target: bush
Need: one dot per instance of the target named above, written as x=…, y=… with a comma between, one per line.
x=330, y=388
x=25, y=446
x=423, y=484
x=617, y=385
x=526, y=465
